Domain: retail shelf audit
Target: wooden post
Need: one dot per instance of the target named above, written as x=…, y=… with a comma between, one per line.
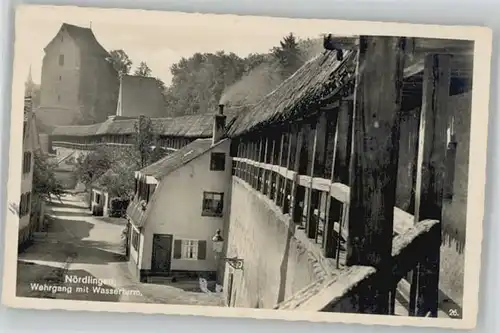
x=292, y=139
x=431, y=177
x=238, y=164
x=270, y=173
x=320, y=153
x=255, y=157
x=278, y=193
x=332, y=211
x=312, y=197
x=244, y=155
x=264, y=171
x=298, y=192
x=345, y=127
x=379, y=77
x=259, y=159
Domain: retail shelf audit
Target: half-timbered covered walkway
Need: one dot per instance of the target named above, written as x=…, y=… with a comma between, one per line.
x=325, y=151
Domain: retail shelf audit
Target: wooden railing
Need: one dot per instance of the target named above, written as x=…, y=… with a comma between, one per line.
x=334, y=293
x=94, y=146
x=304, y=168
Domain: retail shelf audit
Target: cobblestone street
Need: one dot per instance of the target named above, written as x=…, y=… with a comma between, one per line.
x=79, y=246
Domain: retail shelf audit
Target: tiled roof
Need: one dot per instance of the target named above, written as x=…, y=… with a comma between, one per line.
x=178, y=158
x=117, y=126
x=193, y=126
x=80, y=130
x=85, y=38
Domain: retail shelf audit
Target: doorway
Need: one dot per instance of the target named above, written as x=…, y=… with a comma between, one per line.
x=161, y=257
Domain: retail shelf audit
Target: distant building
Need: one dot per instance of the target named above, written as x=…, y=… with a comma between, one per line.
x=27, y=224
x=138, y=96
x=180, y=202
x=79, y=85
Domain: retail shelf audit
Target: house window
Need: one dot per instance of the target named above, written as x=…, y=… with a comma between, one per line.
x=213, y=203
x=217, y=161
x=26, y=162
x=60, y=77
x=135, y=239
x=58, y=98
x=61, y=60
x=97, y=198
x=188, y=249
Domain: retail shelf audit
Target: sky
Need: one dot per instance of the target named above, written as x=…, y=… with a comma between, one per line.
x=158, y=38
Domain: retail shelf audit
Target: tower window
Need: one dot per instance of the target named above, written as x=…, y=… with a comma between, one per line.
x=61, y=60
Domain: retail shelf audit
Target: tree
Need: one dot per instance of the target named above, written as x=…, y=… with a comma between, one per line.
x=119, y=180
x=143, y=70
x=45, y=184
x=92, y=166
x=288, y=54
x=146, y=142
x=120, y=61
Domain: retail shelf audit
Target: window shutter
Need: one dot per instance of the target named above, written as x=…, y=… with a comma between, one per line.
x=202, y=249
x=22, y=206
x=177, y=248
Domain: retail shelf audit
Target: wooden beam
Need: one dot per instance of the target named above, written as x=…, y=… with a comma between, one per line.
x=291, y=144
x=259, y=158
x=298, y=192
x=431, y=177
x=340, y=293
x=320, y=153
x=255, y=170
x=379, y=75
x=312, y=197
x=270, y=189
x=278, y=193
x=417, y=45
x=332, y=210
x=345, y=127
x=263, y=173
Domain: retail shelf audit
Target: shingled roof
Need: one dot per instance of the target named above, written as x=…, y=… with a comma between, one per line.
x=307, y=88
x=178, y=158
x=192, y=126
x=80, y=130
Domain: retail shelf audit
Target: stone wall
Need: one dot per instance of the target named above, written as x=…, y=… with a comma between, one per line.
x=278, y=259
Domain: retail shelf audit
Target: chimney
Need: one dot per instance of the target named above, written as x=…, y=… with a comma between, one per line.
x=219, y=125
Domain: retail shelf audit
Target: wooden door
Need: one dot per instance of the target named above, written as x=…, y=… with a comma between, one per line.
x=162, y=253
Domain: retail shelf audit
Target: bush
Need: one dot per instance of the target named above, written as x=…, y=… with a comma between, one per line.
x=118, y=207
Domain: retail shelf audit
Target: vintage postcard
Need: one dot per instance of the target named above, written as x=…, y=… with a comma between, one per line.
x=238, y=166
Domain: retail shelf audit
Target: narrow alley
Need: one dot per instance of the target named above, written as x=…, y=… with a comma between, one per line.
x=80, y=257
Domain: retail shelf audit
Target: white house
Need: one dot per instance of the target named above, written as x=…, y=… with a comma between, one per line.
x=27, y=225
x=179, y=203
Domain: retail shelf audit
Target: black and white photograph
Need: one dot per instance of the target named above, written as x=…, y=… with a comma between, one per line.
x=205, y=161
